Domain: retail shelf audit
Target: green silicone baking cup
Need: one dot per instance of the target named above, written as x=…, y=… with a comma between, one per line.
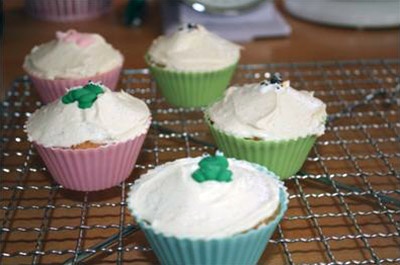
x=244, y=248
x=191, y=89
x=285, y=158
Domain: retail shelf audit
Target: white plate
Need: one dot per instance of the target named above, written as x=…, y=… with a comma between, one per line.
x=348, y=13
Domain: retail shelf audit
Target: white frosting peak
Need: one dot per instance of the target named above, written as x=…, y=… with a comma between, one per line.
x=72, y=55
x=269, y=111
x=113, y=117
x=193, y=48
x=172, y=202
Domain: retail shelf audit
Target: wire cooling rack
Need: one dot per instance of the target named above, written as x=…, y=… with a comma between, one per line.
x=344, y=205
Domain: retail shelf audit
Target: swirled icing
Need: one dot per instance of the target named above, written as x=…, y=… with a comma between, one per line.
x=268, y=111
x=113, y=117
x=172, y=202
x=72, y=55
x=193, y=48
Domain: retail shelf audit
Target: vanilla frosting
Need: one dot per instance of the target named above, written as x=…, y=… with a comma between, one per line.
x=113, y=117
x=268, y=111
x=193, y=48
x=173, y=203
x=72, y=55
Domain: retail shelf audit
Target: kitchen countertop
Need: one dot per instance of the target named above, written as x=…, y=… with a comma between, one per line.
x=308, y=41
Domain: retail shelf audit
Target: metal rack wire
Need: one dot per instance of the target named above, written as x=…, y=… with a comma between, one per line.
x=344, y=205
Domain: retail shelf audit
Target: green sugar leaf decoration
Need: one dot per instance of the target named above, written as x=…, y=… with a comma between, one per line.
x=85, y=96
x=213, y=168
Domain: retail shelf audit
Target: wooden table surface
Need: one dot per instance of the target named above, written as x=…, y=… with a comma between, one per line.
x=308, y=42
x=323, y=220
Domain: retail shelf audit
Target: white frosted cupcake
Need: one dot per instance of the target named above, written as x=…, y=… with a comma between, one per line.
x=269, y=123
x=91, y=137
x=208, y=210
x=72, y=59
x=192, y=66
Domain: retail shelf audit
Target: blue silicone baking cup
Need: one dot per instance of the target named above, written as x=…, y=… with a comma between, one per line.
x=245, y=248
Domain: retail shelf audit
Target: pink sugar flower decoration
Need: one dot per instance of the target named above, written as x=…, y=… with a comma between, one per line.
x=80, y=39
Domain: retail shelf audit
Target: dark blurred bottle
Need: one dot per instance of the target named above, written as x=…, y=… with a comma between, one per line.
x=134, y=13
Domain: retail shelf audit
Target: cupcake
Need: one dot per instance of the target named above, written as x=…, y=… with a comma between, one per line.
x=269, y=123
x=193, y=66
x=208, y=210
x=72, y=59
x=91, y=137
x=66, y=10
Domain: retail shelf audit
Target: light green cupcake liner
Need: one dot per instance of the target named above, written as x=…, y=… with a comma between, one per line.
x=245, y=248
x=284, y=158
x=191, y=89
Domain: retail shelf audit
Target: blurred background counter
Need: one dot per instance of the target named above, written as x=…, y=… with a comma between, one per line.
x=307, y=41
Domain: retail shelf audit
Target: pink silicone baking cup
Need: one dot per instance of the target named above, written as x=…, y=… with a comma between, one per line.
x=66, y=10
x=50, y=90
x=92, y=169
